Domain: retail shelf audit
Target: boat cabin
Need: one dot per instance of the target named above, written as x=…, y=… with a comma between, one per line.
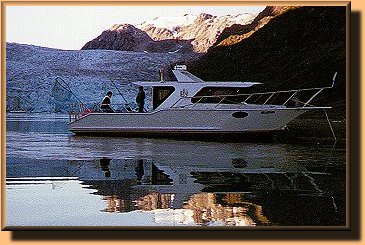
x=189, y=90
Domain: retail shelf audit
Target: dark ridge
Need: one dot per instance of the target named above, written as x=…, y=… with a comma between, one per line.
x=262, y=18
x=300, y=48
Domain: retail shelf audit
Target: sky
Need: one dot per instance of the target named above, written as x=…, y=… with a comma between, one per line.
x=70, y=27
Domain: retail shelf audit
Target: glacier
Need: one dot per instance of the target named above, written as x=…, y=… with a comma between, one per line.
x=31, y=74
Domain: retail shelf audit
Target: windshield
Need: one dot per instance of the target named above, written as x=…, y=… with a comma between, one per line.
x=221, y=94
x=160, y=94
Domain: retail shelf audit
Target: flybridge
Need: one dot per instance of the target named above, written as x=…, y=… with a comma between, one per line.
x=188, y=81
x=182, y=75
x=185, y=77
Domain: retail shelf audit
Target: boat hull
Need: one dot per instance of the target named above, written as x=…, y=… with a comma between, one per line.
x=187, y=123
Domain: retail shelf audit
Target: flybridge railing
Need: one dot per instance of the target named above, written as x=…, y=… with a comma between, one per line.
x=297, y=98
x=288, y=98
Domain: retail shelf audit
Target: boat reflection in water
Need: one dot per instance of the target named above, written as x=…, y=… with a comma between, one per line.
x=239, y=195
x=153, y=190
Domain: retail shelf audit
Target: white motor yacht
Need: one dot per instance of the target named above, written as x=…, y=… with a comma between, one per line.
x=191, y=106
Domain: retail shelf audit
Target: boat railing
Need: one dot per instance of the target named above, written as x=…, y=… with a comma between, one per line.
x=78, y=110
x=297, y=98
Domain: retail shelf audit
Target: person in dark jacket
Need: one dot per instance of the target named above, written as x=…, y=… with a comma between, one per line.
x=140, y=99
x=105, y=104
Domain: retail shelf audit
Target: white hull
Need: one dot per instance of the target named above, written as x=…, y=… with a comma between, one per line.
x=180, y=121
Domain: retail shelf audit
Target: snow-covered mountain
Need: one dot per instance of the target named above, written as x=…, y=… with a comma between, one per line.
x=169, y=23
x=203, y=29
x=31, y=72
x=187, y=33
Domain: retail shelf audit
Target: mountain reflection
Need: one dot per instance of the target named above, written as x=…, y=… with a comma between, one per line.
x=183, y=193
x=248, y=197
x=201, y=209
x=228, y=208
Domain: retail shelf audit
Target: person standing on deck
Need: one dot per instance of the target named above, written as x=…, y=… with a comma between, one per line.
x=105, y=104
x=140, y=99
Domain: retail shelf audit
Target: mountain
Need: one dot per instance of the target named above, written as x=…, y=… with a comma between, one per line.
x=126, y=37
x=236, y=32
x=31, y=72
x=203, y=30
x=299, y=48
x=121, y=37
x=188, y=33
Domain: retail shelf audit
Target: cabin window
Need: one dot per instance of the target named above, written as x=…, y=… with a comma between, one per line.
x=160, y=94
x=222, y=95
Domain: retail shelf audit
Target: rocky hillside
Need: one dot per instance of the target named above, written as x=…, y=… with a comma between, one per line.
x=300, y=48
x=121, y=37
x=31, y=72
x=203, y=30
x=184, y=34
x=237, y=32
x=126, y=37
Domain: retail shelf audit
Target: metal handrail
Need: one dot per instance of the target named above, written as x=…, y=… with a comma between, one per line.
x=293, y=91
x=78, y=110
x=259, y=93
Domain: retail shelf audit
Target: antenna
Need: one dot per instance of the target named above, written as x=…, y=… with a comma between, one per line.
x=161, y=74
x=334, y=79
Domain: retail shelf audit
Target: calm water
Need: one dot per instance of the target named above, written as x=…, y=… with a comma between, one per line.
x=57, y=179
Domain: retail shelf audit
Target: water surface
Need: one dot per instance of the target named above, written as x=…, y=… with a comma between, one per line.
x=55, y=178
